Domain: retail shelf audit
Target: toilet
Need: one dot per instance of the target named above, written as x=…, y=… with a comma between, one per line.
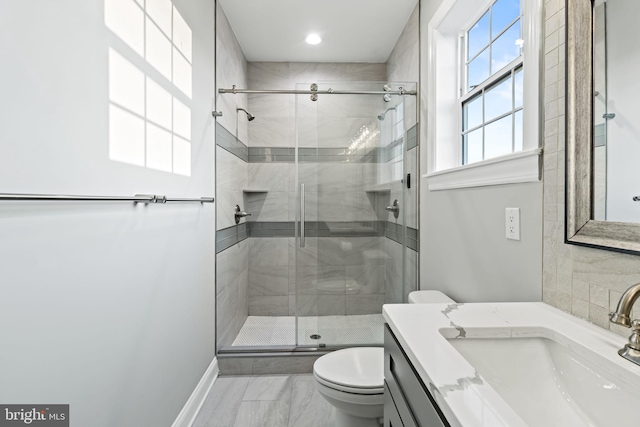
x=352, y=379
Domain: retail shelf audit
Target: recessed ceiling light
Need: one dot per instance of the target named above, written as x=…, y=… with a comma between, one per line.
x=313, y=39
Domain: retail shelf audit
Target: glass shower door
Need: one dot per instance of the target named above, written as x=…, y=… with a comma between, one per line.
x=349, y=257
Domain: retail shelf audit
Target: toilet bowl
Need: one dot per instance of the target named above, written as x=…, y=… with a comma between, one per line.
x=352, y=379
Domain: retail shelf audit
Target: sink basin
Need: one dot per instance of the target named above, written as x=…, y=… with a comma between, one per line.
x=554, y=382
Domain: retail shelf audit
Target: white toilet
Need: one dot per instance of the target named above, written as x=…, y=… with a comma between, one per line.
x=352, y=380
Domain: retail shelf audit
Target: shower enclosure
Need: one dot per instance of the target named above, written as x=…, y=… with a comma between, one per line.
x=345, y=225
x=349, y=168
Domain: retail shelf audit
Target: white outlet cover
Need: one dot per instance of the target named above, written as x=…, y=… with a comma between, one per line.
x=512, y=223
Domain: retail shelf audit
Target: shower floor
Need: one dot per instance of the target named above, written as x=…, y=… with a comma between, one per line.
x=364, y=329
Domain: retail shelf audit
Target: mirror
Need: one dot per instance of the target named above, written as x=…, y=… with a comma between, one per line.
x=616, y=136
x=603, y=139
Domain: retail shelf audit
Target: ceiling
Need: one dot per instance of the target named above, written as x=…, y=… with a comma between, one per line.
x=352, y=30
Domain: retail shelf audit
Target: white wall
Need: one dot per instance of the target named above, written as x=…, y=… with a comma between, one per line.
x=463, y=249
x=464, y=252
x=107, y=307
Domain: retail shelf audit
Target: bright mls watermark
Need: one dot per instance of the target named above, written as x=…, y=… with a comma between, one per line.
x=34, y=415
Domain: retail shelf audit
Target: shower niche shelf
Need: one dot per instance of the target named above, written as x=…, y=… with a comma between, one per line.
x=254, y=191
x=386, y=187
x=378, y=190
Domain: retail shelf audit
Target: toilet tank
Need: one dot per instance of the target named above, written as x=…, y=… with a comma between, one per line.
x=429, y=297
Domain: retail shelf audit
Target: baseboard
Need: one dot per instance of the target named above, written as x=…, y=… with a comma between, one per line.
x=190, y=410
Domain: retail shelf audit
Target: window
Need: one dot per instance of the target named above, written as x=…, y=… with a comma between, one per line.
x=150, y=85
x=483, y=79
x=491, y=101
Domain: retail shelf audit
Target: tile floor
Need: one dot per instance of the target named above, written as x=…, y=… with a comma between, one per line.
x=365, y=329
x=265, y=401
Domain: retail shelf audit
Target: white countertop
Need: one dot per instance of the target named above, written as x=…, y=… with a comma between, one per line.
x=464, y=397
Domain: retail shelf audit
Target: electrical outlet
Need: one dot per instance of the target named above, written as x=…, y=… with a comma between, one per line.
x=512, y=221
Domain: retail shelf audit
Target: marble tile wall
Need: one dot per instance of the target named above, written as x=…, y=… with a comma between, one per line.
x=232, y=291
x=333, y=280
x=231, y=175
x=231, y=69
x=232, y=265
x=337, y=116
x=403, y=66
x=582, y=281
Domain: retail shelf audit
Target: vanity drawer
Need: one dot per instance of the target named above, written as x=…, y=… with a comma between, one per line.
x=392, y=417
x=396, y=411
x=407, y=390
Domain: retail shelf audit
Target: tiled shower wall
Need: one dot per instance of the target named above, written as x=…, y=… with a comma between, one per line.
x=232, y=265
x=583, y=281
x=342, y=264
x=403, y=66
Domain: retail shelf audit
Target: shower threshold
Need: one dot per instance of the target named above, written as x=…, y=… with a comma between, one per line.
x=313, y=331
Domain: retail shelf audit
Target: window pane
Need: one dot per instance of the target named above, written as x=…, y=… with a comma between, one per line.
x=478, y=36
x=473, y=146
x=506, y=48
x=503, y=14
x=518, y=132
x=478, y=70
x=498, y=138
x=519, y=89
x=472, y=113
x=497, y=100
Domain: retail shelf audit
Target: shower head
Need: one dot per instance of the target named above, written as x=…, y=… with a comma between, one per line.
x=381, y=116
x=249, y=115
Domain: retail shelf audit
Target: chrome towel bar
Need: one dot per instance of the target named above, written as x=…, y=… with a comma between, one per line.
x=138, y=198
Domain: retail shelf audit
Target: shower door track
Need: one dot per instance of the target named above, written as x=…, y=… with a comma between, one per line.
x=291, y=349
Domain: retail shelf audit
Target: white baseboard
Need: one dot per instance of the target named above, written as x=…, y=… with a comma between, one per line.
x=190, y=410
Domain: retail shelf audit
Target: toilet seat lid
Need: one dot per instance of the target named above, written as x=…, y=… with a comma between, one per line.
x=358, y=367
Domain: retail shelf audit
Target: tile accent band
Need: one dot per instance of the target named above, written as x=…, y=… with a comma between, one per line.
x=412, y=137
x=228, y=237
x=229, y=142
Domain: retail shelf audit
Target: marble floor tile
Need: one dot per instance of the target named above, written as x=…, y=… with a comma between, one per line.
x=221, y=405
x=268, y=387
x=263, y=414
x=265, y=401
x=308, y=407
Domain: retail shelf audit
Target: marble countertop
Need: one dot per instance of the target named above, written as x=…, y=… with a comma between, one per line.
x=464, y=397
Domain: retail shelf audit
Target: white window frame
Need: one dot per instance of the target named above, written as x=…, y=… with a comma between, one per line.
x=445, y=93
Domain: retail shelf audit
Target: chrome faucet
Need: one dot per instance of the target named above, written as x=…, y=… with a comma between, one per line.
x=622, y=317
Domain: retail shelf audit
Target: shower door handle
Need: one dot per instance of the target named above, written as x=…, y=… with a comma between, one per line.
x=302, y=215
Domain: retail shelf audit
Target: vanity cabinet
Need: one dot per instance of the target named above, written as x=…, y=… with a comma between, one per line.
x=407, y=403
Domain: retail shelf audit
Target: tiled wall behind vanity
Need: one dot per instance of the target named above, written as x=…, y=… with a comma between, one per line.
x=583, y=281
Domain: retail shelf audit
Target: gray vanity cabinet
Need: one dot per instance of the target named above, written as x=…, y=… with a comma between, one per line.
x=407, y=403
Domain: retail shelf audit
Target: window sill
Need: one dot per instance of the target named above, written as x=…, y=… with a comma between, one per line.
x=510, y=169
